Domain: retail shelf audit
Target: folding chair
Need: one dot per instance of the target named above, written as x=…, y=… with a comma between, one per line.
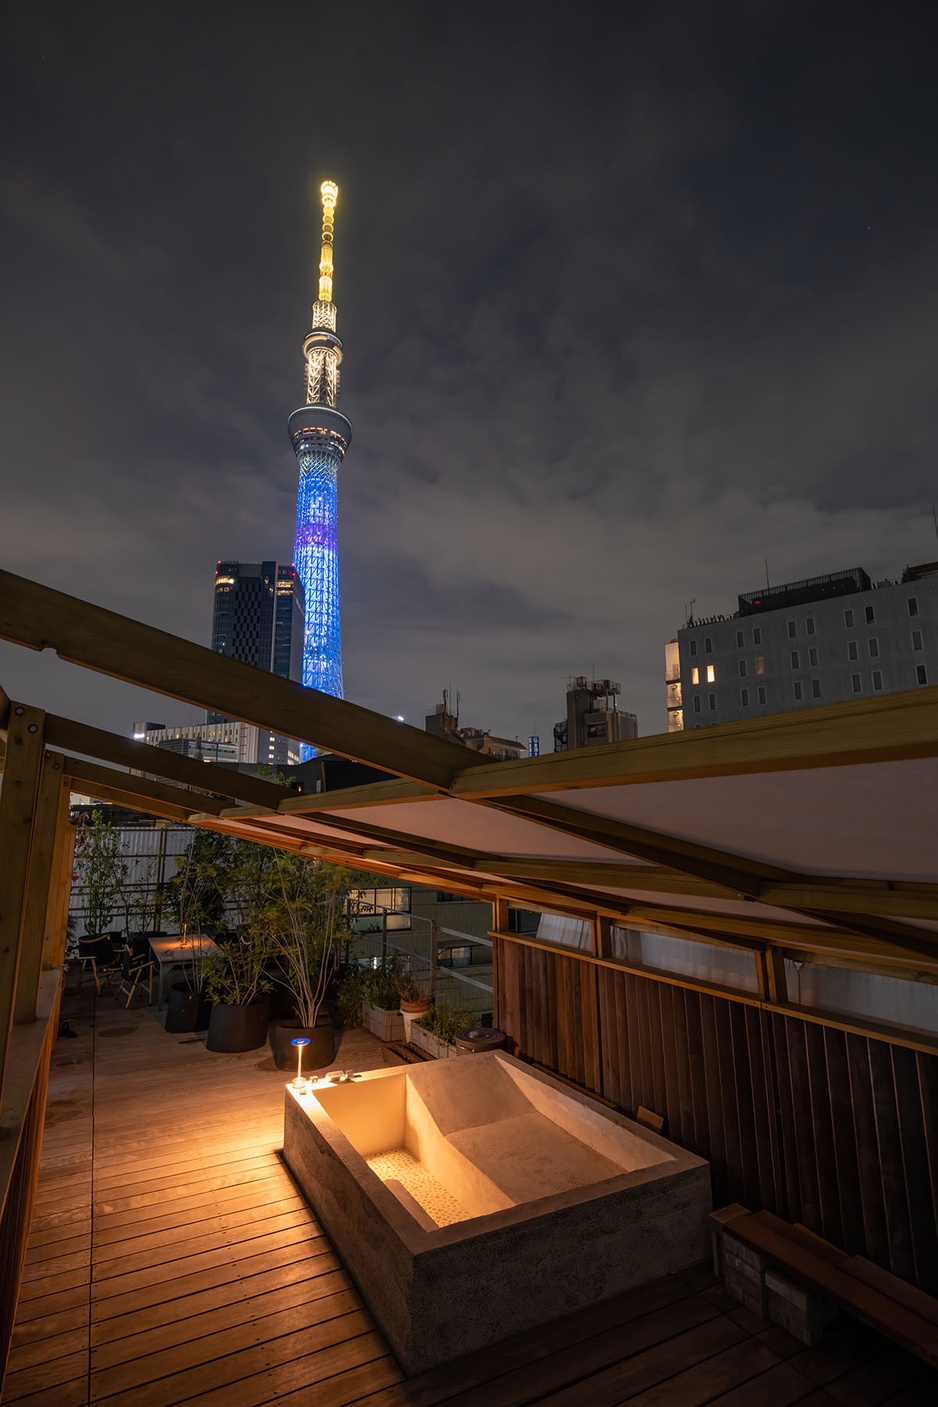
x=137, y=965
x=98, y=952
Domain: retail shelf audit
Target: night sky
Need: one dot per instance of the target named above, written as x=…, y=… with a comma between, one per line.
x=635, y=297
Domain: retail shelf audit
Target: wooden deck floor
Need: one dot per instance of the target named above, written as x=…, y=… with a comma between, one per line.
x=172, y=1261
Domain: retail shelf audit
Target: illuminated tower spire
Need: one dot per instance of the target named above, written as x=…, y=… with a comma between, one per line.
x=320, y=436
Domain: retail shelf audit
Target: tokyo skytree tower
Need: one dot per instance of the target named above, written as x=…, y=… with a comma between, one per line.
x=320, y=436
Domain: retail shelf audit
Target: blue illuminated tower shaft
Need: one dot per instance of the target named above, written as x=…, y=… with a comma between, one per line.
x=320, y=437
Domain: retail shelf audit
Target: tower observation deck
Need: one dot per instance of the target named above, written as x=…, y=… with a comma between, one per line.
x=320, y=435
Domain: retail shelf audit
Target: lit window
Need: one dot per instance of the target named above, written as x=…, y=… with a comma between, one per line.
x=742, y=669
x=711, y=674
x=912, y=604
x=816, y=688
x=916, y=639
x=873, y=644
x=761, y=694
x=760, y=665
x=696, y=703
x=795, y=660
x=757, y=636
x=809, y=625
x=739, y=637
x=921, y=674
x=870, y=615
x=744, y=697
x=695, y=675
x=855, y=683
x=798, y=692
x=693, y=647
x=708, y=644
x=852, y=650
x=877, y=679
x=848, y=619
x=712, y=699
x=791, y=630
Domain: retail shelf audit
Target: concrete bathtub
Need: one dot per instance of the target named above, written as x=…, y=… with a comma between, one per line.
x=470, y=1199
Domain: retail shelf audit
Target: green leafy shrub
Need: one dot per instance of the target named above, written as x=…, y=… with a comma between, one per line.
x=443, y=1023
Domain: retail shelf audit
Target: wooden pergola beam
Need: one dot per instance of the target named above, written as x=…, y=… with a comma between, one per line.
x=211, y=777
x=891, y=728
x=39, y=618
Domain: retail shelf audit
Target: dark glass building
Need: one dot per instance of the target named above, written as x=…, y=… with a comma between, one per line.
x=258, y=618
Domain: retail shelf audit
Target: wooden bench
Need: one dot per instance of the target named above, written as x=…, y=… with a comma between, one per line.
x=787, y=1273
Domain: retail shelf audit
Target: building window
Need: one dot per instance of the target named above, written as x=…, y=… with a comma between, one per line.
x=760, y=665
x=848, y=619
x=693, y=647
x=873, y=644
x=695, y=675
x=855, y=683
x=696, y=703
x=921, y=674
x=809, y=625
x=713, y=701
x=791, y=630
x=816, y=688
x=795, y=660
x=877, y=679
x=761, y=694
x=870, y=615
x=744, y=697
x=757, y=636
x=812, y=657
x=912, y=604
x=799, y=692
x=916, y=639
x=711, y=674
x=739, y=639
x=742, y=669
x=708, y=644
x=852, y=650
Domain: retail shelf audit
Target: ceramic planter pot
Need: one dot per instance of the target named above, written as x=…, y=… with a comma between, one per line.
x=186, y=1010
x=319, y=1052
x=236, y=1028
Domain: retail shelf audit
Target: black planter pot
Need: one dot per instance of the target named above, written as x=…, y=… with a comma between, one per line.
x=320, y=1051
x=237, y=1028
x=186, y=1010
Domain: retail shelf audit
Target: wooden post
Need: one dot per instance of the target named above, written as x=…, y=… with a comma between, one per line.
x=39, y=885
x=770, y=969
x=18, y=798
x=60, y=886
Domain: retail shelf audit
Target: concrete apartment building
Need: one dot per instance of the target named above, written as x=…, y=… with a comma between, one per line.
x=822, y=640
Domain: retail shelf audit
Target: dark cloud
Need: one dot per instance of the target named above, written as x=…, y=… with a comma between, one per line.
x=634, y=298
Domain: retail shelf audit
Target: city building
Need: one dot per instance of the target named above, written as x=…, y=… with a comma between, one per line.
x=593, y=715
x=227, y=741
x=320, y=436
x=444, y=724
x=258, y=617
x=822, y=640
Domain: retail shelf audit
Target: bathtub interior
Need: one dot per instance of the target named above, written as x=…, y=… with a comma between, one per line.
x=459, y=1139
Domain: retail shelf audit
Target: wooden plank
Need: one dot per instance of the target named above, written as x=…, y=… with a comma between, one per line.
x=40, y=618
x=18, y=800
x=39, y=881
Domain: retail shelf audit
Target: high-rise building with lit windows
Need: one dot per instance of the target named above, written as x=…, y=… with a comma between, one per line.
x=320, y=437
x=818, y=641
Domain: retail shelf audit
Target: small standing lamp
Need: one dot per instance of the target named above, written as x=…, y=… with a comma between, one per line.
x=299, y=1042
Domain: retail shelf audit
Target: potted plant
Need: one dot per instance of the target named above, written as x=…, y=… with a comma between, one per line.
x=237, y=984
x=414, y=999
x=198, y=894
x=100, y=870
x=382, y=1013
x=304, y=922
x=434, y=1031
